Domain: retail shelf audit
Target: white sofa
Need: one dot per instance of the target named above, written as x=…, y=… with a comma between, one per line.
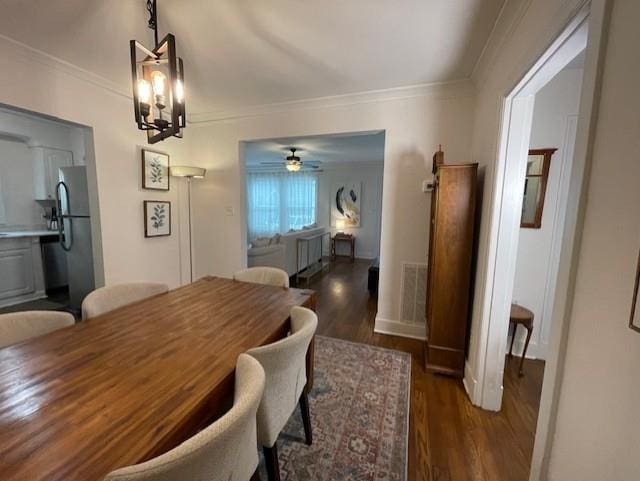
x=283, y=254
x=268, y=256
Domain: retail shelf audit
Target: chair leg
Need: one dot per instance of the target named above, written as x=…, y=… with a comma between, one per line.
x=306, y=418
x=513, y=337
x=256, y=476
x=524, y=352
x=271, y=462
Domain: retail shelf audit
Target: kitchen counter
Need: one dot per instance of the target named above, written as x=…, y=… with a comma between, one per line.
x=27, y=233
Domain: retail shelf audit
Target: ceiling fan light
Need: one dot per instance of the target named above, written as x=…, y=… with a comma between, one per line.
x=293, y=167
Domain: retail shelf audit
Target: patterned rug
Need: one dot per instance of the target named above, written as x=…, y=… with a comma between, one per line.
x=359, y=413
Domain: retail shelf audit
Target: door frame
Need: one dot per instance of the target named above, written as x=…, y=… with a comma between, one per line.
x=585, y=31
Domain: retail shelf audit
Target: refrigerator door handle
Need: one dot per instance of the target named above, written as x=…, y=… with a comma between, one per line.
x=64, y=236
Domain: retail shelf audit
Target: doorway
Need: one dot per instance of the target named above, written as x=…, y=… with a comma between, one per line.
x=314, y=202
x=583, y=33
x=48, y=215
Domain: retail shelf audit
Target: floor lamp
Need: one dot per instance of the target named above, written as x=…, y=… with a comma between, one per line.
x=189, y=173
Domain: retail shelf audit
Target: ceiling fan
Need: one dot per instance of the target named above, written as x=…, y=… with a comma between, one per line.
x=293, y=163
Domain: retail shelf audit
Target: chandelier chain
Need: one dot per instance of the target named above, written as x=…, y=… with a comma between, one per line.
x=153, y=19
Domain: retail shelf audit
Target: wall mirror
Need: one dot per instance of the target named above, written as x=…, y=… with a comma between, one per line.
x=535, y=187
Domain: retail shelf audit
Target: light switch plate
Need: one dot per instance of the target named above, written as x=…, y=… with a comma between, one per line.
x=427, y=185
x=229, y=210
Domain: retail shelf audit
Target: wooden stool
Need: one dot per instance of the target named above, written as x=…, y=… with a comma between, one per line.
x=524, y=317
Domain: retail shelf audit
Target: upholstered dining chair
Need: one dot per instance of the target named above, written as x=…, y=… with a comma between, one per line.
x=284, y=363
x=263, y=275
x=16, y=327
x=105, y=299
x=224, y=451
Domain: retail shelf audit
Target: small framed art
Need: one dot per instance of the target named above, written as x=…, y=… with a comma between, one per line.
x=155, y=170
x=157, y=218
x=634, y=321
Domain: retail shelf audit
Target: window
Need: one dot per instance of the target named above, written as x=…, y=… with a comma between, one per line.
x=278, y=202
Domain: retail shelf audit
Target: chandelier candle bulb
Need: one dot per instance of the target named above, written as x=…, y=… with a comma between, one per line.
x=144, y=95
x=158, y=79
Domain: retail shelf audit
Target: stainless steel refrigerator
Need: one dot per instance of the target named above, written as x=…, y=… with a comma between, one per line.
x=74, y=225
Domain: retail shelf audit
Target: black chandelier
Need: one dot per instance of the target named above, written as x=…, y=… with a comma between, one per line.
x=158, y=84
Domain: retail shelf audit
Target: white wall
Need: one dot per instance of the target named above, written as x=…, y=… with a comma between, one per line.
x=78, y=96
x=556, y=107
x=369, y=174
x=598, y=423
x=415, y=122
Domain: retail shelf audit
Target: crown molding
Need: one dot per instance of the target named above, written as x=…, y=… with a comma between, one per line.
x=492, y=34
x=24, y=53
x=510, y=16
x=509, y=20
x=452, y=89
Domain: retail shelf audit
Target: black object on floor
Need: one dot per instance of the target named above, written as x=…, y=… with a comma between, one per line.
x=374, y=274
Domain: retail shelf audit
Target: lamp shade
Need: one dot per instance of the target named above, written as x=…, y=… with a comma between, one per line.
x=187, y=171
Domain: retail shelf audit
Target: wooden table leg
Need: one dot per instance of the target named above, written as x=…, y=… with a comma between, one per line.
x=526, y=345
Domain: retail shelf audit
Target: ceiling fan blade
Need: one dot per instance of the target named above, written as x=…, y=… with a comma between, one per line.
x=272, y=163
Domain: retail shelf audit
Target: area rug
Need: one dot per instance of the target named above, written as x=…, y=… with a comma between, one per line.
x=359, y=413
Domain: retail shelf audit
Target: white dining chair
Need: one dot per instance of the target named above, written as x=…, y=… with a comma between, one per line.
x=224, y=451
x=263, y=275
x=284, y=363
x=105, y=299
x=16, y=327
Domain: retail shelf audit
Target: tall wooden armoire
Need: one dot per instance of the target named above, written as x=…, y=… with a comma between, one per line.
x=453, y=204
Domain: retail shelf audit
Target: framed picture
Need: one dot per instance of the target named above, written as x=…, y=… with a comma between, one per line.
x=157, y=218
x=155, y=170
x=634, y=321
x=345, y=203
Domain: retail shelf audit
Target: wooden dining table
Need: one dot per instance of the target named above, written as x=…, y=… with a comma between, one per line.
x=131, y=384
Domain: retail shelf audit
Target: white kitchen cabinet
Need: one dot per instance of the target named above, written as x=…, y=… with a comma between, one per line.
x=46, y=164
x=22, y=276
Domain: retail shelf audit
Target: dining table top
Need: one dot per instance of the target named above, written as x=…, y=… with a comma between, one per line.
x=123, y=387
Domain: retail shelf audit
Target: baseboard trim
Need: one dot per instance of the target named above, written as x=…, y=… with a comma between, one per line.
x=470, y=385
x=402, y=329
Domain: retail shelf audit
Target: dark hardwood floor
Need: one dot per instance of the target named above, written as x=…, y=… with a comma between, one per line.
x=449, y=439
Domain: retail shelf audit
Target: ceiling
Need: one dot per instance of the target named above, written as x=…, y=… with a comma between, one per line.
x=327, y=149
x=242, y=53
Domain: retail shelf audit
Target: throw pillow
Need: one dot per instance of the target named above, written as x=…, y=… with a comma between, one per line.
x=274, y=240
x=260, y=242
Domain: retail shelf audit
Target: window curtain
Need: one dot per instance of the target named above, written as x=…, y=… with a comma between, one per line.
x=279, y=202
